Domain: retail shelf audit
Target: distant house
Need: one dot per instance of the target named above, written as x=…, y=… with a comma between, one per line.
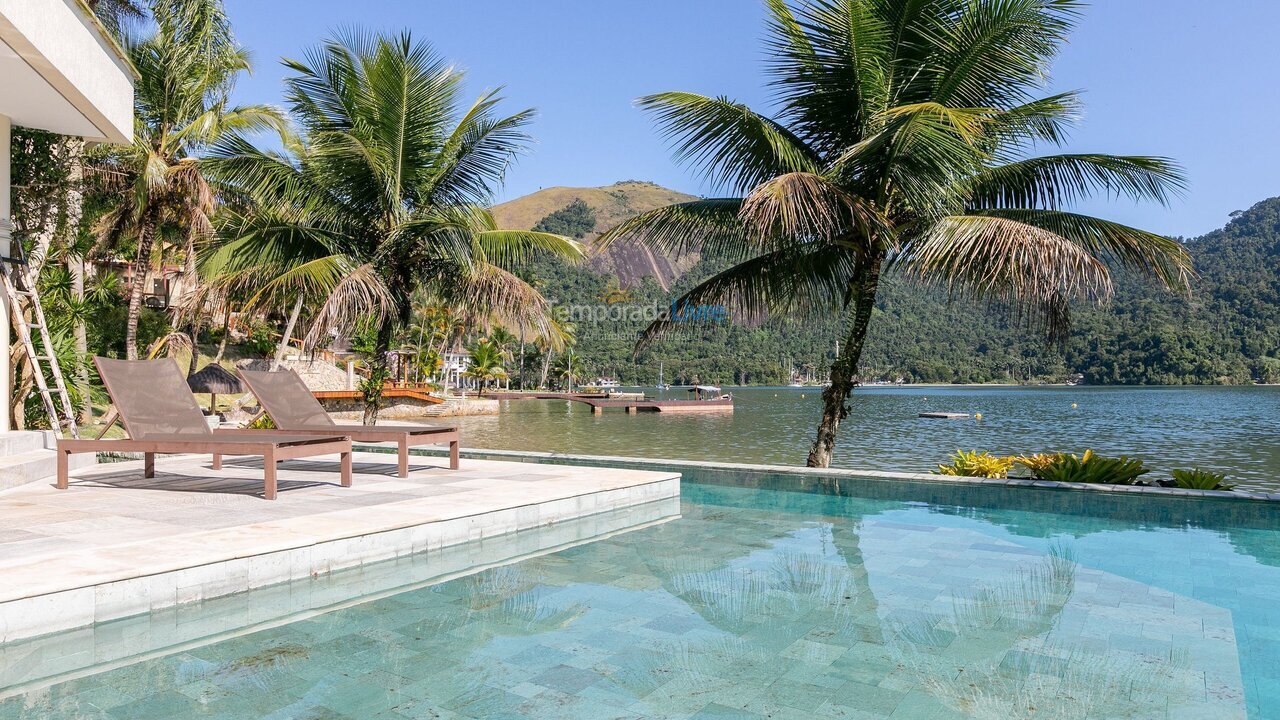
x=164, y=286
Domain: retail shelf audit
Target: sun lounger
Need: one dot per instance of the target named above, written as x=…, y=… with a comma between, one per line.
x=161, y=416
x=293, y=409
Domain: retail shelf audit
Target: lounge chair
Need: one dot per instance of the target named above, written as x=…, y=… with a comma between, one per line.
x=160, y=415
x=293, y=409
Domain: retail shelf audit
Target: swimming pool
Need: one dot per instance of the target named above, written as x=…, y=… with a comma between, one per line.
x=769, y=596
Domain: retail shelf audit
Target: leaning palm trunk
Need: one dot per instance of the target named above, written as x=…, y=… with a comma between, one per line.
x=226, y=331
x=138, y=285
x=373, y=384
x=194, y=363
x=80, y=338
x=288, y=334
x=844, y=371
x=75, y=269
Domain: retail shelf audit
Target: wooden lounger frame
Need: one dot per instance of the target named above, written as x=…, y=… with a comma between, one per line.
x=196, y=437
x=271, y=450
x=404, y=437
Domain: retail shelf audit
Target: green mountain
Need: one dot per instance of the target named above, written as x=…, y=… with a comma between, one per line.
x=1227, y=331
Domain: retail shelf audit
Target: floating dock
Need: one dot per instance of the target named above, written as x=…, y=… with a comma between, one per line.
x=945, y=415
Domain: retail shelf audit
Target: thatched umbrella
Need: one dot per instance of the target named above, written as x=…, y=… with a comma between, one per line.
x=215, y=380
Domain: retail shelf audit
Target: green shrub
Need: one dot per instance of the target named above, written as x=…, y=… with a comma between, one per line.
x=1092, y=468
x=1198, y=479
x=977, y=464
x=259, y=341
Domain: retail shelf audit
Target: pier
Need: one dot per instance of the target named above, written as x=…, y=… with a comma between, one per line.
x=600, y=401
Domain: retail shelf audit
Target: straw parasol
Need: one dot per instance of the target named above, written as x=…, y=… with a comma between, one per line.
x=215, y=380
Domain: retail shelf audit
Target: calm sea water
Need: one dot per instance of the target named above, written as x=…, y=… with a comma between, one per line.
x=1227, y=429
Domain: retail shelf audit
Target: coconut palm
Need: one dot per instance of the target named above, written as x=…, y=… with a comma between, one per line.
x=486, y=362
x=118, y=15
x=187, y=68
x=382, y=196
x=900, y=142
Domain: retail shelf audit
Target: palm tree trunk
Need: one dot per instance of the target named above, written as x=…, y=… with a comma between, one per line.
x=546, y=367
x=80, y=336
x=226, y=331
x=138, y=283
x=195, y=346
x=521, y=360
x=844, y=371
x=288, y=334
x=372, y=386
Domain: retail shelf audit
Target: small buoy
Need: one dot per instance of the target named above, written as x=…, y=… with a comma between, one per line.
x=977, y=416
x=801, y=396
x=1074, y=406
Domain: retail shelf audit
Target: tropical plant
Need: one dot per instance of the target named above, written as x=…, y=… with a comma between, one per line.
x=899, y=145
x=118, y=15
x=564, y=370
x=187, y=69
x=1035, y=463
x=1198, y=479
x=1090, y=468
x=382, y=198
x=977, y=464
x=485, y=362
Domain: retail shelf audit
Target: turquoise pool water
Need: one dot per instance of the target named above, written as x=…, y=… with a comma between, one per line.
x=862, y=600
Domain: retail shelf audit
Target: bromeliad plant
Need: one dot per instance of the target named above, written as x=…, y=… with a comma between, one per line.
x=899, y=142
x=1090, y=468
x=1198, y=479
x=977, y=464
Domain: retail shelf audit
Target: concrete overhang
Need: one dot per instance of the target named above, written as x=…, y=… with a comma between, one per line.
x=61, y=71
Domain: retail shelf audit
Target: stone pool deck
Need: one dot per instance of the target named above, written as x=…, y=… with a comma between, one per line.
x=116, y=544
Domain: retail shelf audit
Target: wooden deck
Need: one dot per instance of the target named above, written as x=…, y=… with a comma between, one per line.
x=391, y=393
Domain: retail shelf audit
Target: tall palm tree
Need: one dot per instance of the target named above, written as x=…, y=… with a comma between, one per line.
x=900, y=142
x=187, y=68
x=383, y=195
x=486, y=362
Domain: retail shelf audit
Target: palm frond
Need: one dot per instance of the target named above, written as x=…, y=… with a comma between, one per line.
x=360, y=296
x=726, y=141
x=714, y=225
x=809, y=207
x=1000, y=260
x=1147, y=253
x=830, y=64
x=1056, y=181
x=794, y=281
x=509, y=248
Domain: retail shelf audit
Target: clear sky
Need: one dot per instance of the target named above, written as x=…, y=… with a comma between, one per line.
x=1196, y=81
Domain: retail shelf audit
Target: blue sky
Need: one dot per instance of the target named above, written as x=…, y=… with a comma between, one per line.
x=1191, y=80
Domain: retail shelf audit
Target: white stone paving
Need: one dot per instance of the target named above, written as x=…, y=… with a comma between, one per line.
x=116, y=544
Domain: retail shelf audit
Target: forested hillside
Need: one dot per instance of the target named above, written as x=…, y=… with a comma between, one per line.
x=1228, y=331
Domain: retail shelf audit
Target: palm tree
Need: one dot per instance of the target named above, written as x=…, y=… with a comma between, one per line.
x=118, y=15
x=187, y=68
x=900, y=143
x=383, y=196
x=486, y=362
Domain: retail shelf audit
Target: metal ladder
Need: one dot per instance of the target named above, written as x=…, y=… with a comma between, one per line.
x=15, y=269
